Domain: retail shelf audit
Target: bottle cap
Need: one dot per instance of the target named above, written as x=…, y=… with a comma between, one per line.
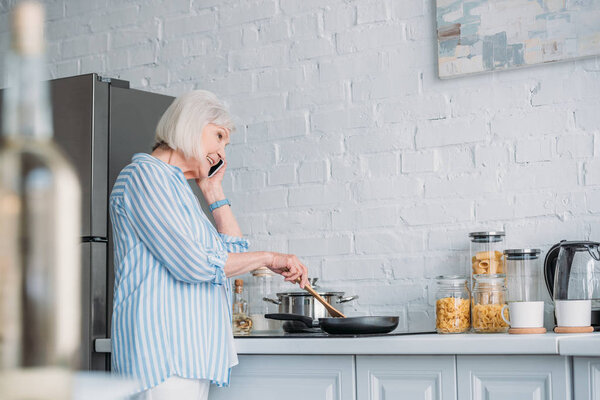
x=239, y=282
x=28, y=28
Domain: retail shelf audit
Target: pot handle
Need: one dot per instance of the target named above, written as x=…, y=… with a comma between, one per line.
x=309, y=322
x=346, y=299
x=269, y=300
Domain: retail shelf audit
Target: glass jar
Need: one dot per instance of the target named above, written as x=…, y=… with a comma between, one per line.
x=487, y=253
x=489, y=297
x=452, y=304
x=523, y=275
x=261, y=285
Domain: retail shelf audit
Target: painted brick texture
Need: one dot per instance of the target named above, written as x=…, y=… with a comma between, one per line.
x=350, y=151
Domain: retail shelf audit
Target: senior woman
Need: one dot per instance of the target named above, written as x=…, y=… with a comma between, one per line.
x=171, y=326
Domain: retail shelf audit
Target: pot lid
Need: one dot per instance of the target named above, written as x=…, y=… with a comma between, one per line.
x=306, y=294
x=297, y=291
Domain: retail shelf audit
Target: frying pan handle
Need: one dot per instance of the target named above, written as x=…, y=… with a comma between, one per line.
x=309, y=322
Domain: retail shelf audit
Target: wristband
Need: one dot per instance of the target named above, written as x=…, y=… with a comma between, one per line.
x=218, y=204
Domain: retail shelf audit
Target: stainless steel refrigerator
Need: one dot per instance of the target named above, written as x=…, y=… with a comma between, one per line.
x=100, y=123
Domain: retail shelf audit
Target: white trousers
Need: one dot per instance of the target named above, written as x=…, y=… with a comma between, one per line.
x=177, y=388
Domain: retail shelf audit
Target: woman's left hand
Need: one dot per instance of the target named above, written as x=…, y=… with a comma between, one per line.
x=290, y=267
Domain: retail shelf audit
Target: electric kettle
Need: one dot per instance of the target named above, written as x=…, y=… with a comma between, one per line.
x=572, y=272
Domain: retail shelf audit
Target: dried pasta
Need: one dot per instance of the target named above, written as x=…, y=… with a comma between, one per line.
x=452, y=315
x=486, y=318
x=488, y=262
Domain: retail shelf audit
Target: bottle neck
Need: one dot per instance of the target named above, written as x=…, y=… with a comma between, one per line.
x=26, y=112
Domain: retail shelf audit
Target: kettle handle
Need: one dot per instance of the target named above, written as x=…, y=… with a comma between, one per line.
x=594, y=256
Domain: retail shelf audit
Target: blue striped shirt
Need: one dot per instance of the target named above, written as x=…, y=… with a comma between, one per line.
x=172, y=300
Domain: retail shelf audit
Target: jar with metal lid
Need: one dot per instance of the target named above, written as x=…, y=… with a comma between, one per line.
x=452, y=304
x=488, y=300
x=262, y=284
x=524, y=275
x=487, y=253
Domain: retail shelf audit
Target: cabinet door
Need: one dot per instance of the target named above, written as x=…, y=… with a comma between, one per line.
x=586, y=376
x=513, y=377
x=405, y=377
x=266, y=377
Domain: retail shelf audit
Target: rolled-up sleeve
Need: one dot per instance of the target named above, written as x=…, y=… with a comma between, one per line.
x=159, y=222
x=234, y=244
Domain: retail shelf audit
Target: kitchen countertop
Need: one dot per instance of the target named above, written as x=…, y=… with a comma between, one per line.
x=468, y=343
x=586, y=344
x=582, y=344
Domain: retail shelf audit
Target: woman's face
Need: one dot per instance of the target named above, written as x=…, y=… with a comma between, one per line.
x=214, y=140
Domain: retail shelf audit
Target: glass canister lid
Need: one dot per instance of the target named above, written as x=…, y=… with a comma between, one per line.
x=489, y=279
x=263, y=271
x=522, y=254
x=451, y=279
x=486, y=237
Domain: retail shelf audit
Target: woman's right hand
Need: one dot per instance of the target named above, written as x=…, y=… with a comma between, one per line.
x=290, y=267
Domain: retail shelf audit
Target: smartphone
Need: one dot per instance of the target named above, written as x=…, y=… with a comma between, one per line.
x=213, y=170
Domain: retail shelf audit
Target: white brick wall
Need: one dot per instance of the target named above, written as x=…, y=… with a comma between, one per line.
x=350, y=151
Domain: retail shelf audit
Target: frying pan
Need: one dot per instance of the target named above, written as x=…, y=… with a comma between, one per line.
x=343, y=326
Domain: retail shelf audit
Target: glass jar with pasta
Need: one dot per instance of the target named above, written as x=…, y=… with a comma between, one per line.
x=452, y=304
x=489, y=296
x=487, y=253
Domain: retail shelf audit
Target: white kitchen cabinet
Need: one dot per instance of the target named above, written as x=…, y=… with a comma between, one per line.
x=514, y=377
x=586, y=377
x=405, y=377
x=293, y=377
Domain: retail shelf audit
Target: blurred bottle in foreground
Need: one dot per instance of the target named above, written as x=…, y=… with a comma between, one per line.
x=40, y=285
x=242, y=324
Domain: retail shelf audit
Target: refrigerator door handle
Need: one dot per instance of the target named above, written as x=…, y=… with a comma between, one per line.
x=93, y=239
x=102, y=345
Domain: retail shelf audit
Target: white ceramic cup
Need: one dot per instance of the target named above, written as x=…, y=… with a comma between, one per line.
x=524, y=314
x=573, y=312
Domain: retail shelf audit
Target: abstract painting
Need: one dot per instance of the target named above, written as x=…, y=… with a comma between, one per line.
x=489, y=35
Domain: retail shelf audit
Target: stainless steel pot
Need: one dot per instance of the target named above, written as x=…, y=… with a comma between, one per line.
x=302, y=303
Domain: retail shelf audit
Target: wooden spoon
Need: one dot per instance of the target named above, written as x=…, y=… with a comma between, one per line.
x=332, y=310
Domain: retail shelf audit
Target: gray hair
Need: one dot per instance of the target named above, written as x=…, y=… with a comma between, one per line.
x=180, y=127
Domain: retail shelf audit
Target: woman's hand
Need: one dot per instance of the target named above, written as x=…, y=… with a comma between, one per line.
x=212, y=188
x=290, y=267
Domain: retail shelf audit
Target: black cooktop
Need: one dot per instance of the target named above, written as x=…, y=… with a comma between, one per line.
x=324, y=335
